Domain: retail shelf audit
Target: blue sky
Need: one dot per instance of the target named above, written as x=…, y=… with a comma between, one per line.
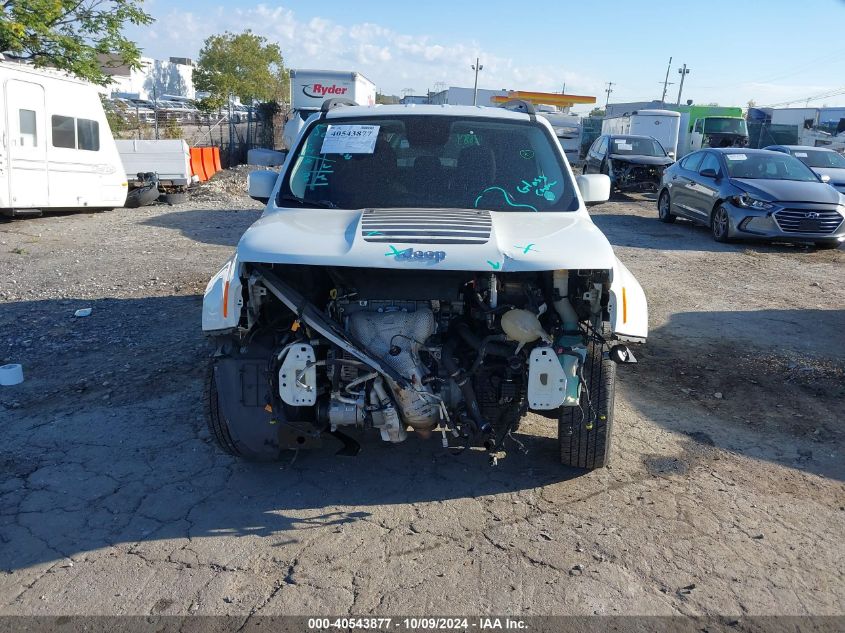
x=770, y=51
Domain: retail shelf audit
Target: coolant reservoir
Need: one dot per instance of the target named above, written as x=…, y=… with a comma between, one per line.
x=523, y=326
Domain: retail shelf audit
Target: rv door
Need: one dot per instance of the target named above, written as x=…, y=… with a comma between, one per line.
x=26, y=123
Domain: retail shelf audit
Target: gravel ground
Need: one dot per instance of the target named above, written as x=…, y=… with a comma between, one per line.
x=725, y=495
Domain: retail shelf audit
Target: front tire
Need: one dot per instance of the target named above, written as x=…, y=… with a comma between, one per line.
x=218, y=426
x=720, y=225
x=584, y=432
x=664, y=206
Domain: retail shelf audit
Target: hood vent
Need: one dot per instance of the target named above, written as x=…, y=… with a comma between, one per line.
x=426, y=226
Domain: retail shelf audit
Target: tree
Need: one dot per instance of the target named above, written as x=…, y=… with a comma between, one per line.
x=596, y=112
x=72, y=35
x=244, y=65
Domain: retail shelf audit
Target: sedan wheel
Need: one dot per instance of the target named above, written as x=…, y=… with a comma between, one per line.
x=663, y=209
x=720, y=225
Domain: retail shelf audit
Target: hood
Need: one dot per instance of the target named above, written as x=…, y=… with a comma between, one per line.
x=789, y=190
x=444, y=239
x=837, y=175
x=636, y=159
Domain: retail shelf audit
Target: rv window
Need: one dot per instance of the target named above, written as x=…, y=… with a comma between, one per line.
x=88, y=133
x=29, y=131
x=64, y=134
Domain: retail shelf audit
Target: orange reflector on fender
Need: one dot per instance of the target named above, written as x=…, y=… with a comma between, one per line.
x=624, y=306
x=226, y=300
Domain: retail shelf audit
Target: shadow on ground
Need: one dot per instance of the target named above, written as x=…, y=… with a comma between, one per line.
x=211, y=226
x=105, y=443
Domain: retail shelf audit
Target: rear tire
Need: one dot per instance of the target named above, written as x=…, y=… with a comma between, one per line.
x=580, y=446
x=176, y=198
x=664, y=205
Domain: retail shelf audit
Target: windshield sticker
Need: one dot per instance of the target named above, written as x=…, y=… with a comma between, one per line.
x=468, y=139
x=527, y=154
x=540, y=185
x=800, y=154
x=510, y=202
x=624, y=146
x=350, y=139
x=317, y=170
x=409, y=254
x=736, y=157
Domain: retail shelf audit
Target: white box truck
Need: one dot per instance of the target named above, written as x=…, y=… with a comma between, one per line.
x=662, y=125
x=310, y=88
x=56, y=147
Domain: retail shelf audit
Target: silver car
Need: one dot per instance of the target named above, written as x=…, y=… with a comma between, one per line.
x=827, y=164
x=753, y=194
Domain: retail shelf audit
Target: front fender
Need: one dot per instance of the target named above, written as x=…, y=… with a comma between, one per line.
x=223, y=299
x=628, y=307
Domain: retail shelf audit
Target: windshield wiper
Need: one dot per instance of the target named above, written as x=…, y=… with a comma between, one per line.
x=319, y=204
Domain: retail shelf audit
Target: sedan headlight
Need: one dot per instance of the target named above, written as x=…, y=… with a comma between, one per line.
x=747, y=202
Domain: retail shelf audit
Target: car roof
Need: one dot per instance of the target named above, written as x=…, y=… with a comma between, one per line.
x=807, y=147
x=631, y=136
x=413, y=109
x=738, y=150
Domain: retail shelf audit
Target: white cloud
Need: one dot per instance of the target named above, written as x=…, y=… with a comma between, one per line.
x=393, y=60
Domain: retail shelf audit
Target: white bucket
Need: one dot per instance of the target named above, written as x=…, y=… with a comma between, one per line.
x=11, y=375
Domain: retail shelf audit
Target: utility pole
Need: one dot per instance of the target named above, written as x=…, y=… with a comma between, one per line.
x=607, y=91
x=683, y=72
x=666, y=81
x=477, y=67
x=563, y=90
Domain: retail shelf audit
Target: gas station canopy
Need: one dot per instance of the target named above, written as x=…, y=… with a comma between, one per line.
x=546, y=98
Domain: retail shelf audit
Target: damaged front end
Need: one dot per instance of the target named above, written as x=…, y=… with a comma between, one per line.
x=627, y=175
x=309, y=351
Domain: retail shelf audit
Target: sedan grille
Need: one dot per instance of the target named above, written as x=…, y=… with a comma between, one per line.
x=805, y=221
x=426, y=226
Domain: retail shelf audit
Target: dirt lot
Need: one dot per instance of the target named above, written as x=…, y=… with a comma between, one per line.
x=725, y=495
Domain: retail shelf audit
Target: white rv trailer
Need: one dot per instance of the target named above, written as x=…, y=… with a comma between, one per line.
x=662, y=125
x=56, y=147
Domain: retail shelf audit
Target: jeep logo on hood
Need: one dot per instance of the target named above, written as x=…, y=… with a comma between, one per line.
x=315, y=91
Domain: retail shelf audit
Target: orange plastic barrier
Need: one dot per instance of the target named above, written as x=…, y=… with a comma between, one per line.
x=196, y=164
x=208, y=161
x=216, y=152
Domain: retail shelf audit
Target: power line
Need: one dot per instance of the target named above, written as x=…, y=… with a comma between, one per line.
x=824, y=95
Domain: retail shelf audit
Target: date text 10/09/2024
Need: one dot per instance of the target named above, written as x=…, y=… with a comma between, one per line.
x=416, y=624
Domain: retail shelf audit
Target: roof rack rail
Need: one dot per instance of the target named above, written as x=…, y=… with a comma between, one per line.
x=336, y=102
x=519, y=105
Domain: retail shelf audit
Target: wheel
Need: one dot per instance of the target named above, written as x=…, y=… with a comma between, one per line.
x=720, y=225
x=176, y=198
x=217, y=423
x=663, y=208
x=828, y=245
x=584, y=438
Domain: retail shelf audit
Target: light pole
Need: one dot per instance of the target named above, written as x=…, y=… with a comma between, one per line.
x=683, y=72
x=476, y=67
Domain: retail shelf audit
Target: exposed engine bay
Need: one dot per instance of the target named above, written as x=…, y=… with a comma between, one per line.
x=629, y=176
x=463, y=355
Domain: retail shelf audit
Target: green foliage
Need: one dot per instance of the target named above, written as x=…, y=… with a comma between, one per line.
x=386, y=99
x=172, y=130
x=596, y=112
x=210, y=105
x=72, y=35
x=243, y=65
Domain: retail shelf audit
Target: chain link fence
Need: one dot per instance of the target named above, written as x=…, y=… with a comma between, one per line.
x=234, y=131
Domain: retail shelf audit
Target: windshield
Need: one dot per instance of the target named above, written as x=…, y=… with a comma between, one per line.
x=817, y=158
x=725, y=125
x=420, y=161
x=768, y=167
x=636, y=146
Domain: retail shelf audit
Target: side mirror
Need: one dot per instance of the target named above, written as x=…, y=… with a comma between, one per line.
x=260, y=184
x=824, y=178
x=671, y=155
x=594, y=188
x=709, y=173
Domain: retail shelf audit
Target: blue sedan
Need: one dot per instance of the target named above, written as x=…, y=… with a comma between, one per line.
x=753, y=194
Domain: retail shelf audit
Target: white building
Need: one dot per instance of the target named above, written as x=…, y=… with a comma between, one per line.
x=155, y=78
x=464, y=96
